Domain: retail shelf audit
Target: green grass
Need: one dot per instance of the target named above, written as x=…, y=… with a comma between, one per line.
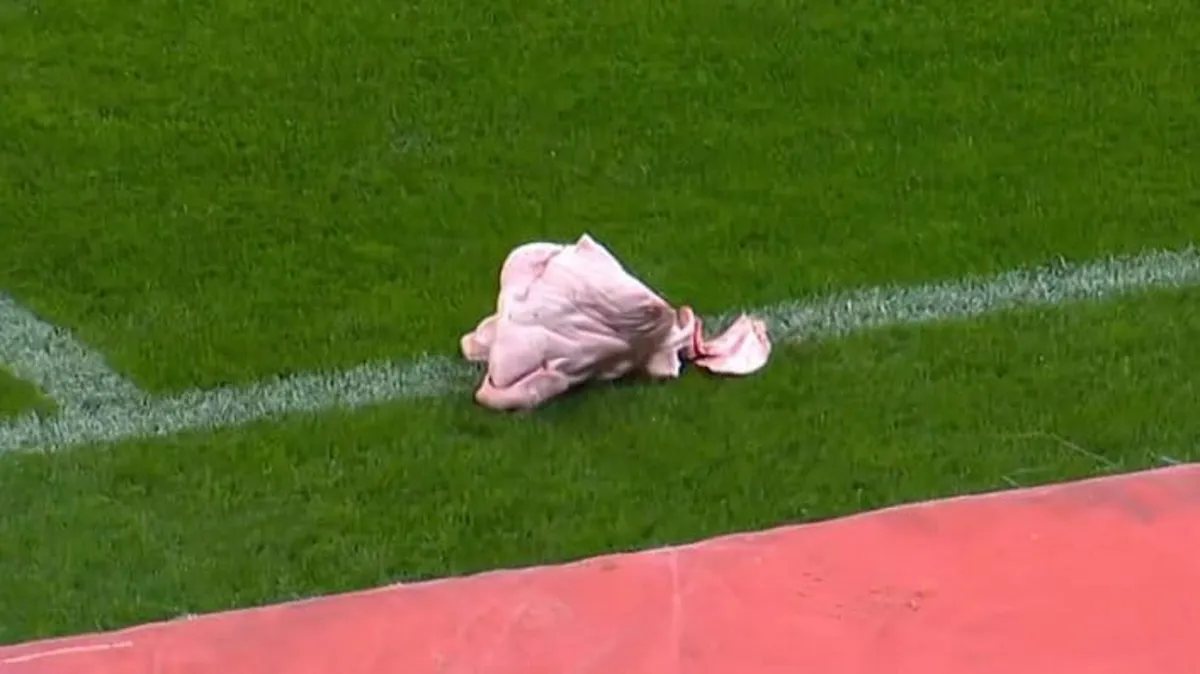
x=214, y=192
x=18, y=396
x=255, y=174
x=344, y=501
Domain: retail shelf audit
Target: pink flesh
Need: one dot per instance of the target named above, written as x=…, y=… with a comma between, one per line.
x=567, y=314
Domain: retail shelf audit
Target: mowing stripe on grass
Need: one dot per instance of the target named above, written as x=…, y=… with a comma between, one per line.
x=64, y=368
x=845, y=313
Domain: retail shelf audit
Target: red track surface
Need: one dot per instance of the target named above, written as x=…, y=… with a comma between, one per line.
x=1084, y=578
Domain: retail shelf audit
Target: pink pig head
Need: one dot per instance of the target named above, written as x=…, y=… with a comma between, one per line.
x=567, y=314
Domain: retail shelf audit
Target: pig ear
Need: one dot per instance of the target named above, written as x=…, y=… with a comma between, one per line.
x=626, y=311
x=526, y=262
x=606, y=292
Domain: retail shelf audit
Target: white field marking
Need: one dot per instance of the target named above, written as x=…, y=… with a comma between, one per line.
x=67, y=650
x=60, y=365
x=431, y=376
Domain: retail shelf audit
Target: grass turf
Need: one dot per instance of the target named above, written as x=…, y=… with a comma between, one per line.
x=110, y=536
x=218, y=191
x=18, y=396
x=270, y=188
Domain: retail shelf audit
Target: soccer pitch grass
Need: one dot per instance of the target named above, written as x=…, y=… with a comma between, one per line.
x=212, y=193
x=17, y=396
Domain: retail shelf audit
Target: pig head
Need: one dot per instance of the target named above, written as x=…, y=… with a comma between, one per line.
x=567, y=314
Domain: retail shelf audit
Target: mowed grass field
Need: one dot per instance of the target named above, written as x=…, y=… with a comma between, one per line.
x=17, y=396
x=214, y=192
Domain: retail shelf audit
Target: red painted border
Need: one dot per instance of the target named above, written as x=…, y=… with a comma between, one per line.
x=1099, y=576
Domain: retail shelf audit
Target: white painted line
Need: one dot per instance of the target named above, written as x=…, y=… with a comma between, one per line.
x=67, y=650
x=60, y=365
x=430, y=376
x=364, y=385
x=1047, y=286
